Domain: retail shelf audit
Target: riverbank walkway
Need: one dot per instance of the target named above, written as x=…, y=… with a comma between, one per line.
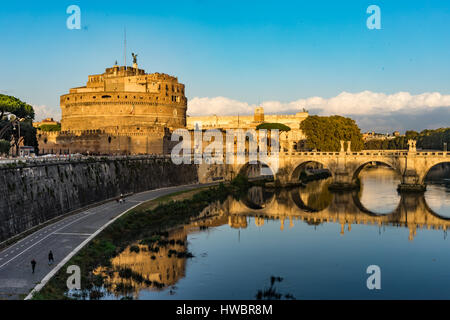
x=64, y=237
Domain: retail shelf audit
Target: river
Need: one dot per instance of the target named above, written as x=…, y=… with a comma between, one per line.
x=314, y=243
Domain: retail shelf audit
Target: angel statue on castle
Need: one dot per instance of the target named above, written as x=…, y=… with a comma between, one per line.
x=134, y=57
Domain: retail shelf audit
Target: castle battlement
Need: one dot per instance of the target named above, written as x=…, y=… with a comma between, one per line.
x=123, y=110
x=124, y=97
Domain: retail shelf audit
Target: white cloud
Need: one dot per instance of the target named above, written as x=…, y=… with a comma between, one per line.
x=362, y=103
x=219, y=106
x=42, y=112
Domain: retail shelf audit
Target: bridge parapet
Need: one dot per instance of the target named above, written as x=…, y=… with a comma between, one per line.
x=412, y=166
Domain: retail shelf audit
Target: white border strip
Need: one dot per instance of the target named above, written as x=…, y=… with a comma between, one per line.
x=70, y=255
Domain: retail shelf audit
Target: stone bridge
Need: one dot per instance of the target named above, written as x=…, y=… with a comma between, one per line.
x=344, y=208
x=345, y=166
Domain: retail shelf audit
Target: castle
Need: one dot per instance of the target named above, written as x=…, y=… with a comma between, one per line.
x=128, y=111
x=121, y=111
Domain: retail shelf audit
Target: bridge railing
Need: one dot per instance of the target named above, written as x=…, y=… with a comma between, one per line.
x=367, y=153
x=433, y=153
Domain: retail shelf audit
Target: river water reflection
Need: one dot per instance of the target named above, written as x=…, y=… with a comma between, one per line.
x=319, y=242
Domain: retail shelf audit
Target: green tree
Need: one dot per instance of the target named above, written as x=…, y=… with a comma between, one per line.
x=28, y=132
x=411, y=134
x=270, y=126
x=325, y=133
x=50, y=127
x=426, y=139
x=434, y=139
x=13, y=105
x=21, y=128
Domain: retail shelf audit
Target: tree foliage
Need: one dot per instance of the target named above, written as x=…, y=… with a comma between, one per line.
x=50, y=127
x=24, y=116
x=270, y=126
x=28, y=132
x=427, y=139
x=325, y=133
x=13, y=105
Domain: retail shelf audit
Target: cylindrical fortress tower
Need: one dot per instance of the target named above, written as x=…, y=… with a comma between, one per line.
x=125, y=100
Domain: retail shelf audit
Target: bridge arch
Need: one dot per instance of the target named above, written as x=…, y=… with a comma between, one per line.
x=431, y=166
x=247, y=168
x=364, y=164
x=300, y=166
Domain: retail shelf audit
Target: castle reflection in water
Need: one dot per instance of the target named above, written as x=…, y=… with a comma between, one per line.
x=313, y=205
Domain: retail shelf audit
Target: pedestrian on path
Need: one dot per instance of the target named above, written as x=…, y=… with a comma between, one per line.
x=33, y=265
x=50, y=258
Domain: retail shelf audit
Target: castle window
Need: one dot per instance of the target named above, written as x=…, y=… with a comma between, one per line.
x=106, y=97
x=94, y=97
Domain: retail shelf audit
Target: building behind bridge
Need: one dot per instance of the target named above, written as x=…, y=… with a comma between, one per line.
x=289, y=140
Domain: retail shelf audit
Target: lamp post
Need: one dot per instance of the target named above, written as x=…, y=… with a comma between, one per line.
x=16, y=122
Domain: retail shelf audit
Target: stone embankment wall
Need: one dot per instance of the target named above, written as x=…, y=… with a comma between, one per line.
x=35, y=193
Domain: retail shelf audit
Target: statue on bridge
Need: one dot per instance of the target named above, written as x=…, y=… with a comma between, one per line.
x=412, y=145
x=343, y=146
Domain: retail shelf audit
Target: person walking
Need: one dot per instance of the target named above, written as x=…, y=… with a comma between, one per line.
x=33, y=265
x=50, y=258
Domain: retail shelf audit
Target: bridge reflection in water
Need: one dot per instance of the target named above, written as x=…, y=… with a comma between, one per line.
x=346, y=209
x=140, y=269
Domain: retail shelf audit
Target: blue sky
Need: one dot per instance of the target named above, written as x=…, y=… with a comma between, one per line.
x=246, y=51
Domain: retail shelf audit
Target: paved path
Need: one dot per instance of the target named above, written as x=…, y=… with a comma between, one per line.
x=62, y=237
